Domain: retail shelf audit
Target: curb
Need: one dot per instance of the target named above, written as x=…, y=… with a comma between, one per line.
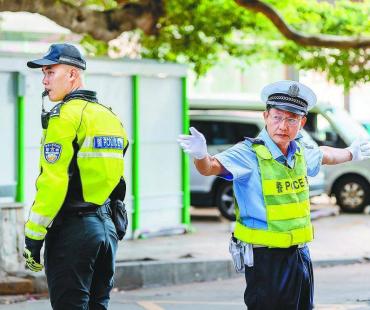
x=143, y=274
x=339, y=262
x=15, y=285
x=134, y=275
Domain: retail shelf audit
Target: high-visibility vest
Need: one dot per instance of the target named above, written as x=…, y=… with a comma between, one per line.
x=286, y=197
x=83, y=134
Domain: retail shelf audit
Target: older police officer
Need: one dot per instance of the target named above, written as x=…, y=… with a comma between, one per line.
x=81, y=170
x=272, y=197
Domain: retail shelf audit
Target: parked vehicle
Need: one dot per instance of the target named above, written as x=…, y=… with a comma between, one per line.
x=222, y=129
x=348, y=182
x=327, y=125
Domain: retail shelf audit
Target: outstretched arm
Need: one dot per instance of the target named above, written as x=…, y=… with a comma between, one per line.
x=209, y=166
x=196, y=146
x=358, y=150
x=333, y=156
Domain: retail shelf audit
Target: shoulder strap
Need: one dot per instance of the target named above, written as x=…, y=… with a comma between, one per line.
x=262, y=151
x=255, y=140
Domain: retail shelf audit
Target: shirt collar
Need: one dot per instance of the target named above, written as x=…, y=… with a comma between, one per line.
x=274, y=149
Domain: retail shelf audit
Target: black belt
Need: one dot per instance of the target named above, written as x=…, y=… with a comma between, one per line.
x=92, y=209
x=265, y=248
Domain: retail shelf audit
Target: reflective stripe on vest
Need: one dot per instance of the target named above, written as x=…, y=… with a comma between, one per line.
x=34, y=231
x=40, y=219
x=273, y=238
x=100, y=155
x=286, y=197
x=90, y=150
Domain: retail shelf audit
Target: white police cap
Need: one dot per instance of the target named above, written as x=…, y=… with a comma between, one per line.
x=290, y=96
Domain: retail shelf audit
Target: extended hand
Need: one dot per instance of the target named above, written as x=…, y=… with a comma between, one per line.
x=32, y=254
x=195, y=144
x=360, y=149
x=31, y=263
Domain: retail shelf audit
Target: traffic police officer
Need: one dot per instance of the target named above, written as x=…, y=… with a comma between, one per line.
x=269, y=175
x=81, y=169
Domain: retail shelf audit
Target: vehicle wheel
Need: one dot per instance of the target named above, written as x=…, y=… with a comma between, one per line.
x=352, y=194
x=225, y=200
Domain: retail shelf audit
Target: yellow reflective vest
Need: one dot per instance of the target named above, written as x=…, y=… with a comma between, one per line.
x=81, y=158
x=286, y=196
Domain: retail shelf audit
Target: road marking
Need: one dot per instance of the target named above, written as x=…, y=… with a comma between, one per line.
x=342, y=306
x=148, y=305
x=193, y=302
x=190, y=302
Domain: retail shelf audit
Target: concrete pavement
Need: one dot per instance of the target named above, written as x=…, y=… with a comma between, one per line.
x=340, y=287
x=202, y=255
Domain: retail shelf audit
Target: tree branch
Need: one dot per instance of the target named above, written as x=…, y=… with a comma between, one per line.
x=104, y=26
x=330, y=41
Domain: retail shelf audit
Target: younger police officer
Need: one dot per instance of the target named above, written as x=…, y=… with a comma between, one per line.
x=272, y=197
x=81, y=164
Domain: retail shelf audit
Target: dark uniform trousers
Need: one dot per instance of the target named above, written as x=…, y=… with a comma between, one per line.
x=80, y=261
x=281, y=279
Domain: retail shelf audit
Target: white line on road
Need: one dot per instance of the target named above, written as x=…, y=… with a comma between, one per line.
x=148, y=305
x=195, y=302
x=361, y=306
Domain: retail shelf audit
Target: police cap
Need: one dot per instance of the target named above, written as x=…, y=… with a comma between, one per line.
x=61, y=53
x=289, y=96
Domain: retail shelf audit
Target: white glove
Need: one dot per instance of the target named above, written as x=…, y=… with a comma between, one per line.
x=195, y=144
x=360, y=149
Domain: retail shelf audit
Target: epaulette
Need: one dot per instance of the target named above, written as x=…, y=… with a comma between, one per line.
x=255, y=140
x=56, y=110
x=302, y=143
x=305, y=145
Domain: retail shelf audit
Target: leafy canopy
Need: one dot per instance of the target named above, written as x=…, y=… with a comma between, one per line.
x=201, y=32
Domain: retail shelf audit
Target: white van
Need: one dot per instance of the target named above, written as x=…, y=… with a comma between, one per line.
x=327, y=125
x=349, y=182
x=222, y=129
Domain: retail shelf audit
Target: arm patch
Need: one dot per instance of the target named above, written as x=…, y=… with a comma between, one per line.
x=52, y=152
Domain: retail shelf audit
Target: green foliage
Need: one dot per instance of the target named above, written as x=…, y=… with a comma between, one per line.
x=94, y=47
x=344, y=67
x=99, y=5
x=201, y=32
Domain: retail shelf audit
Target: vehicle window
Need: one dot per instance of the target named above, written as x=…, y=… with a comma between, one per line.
x=245, y=130
x=221, y=133
x=322, y=131
x=350, y=128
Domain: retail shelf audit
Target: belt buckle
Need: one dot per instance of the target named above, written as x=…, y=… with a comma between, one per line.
x=256, y=246
x=82, y=213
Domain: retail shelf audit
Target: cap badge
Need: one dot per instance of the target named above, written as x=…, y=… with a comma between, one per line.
x=293, y=90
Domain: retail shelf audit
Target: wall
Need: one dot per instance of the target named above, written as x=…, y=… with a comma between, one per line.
x=159, y=198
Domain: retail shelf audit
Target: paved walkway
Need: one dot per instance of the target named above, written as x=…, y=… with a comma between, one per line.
x=202, y=255
x=342, y=237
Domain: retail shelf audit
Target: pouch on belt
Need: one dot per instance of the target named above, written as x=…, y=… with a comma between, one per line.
x=241, y=254
x=119, y=217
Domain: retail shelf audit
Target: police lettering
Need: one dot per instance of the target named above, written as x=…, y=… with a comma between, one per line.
x=108, y=142
x=279, y=187
x=291, y=185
